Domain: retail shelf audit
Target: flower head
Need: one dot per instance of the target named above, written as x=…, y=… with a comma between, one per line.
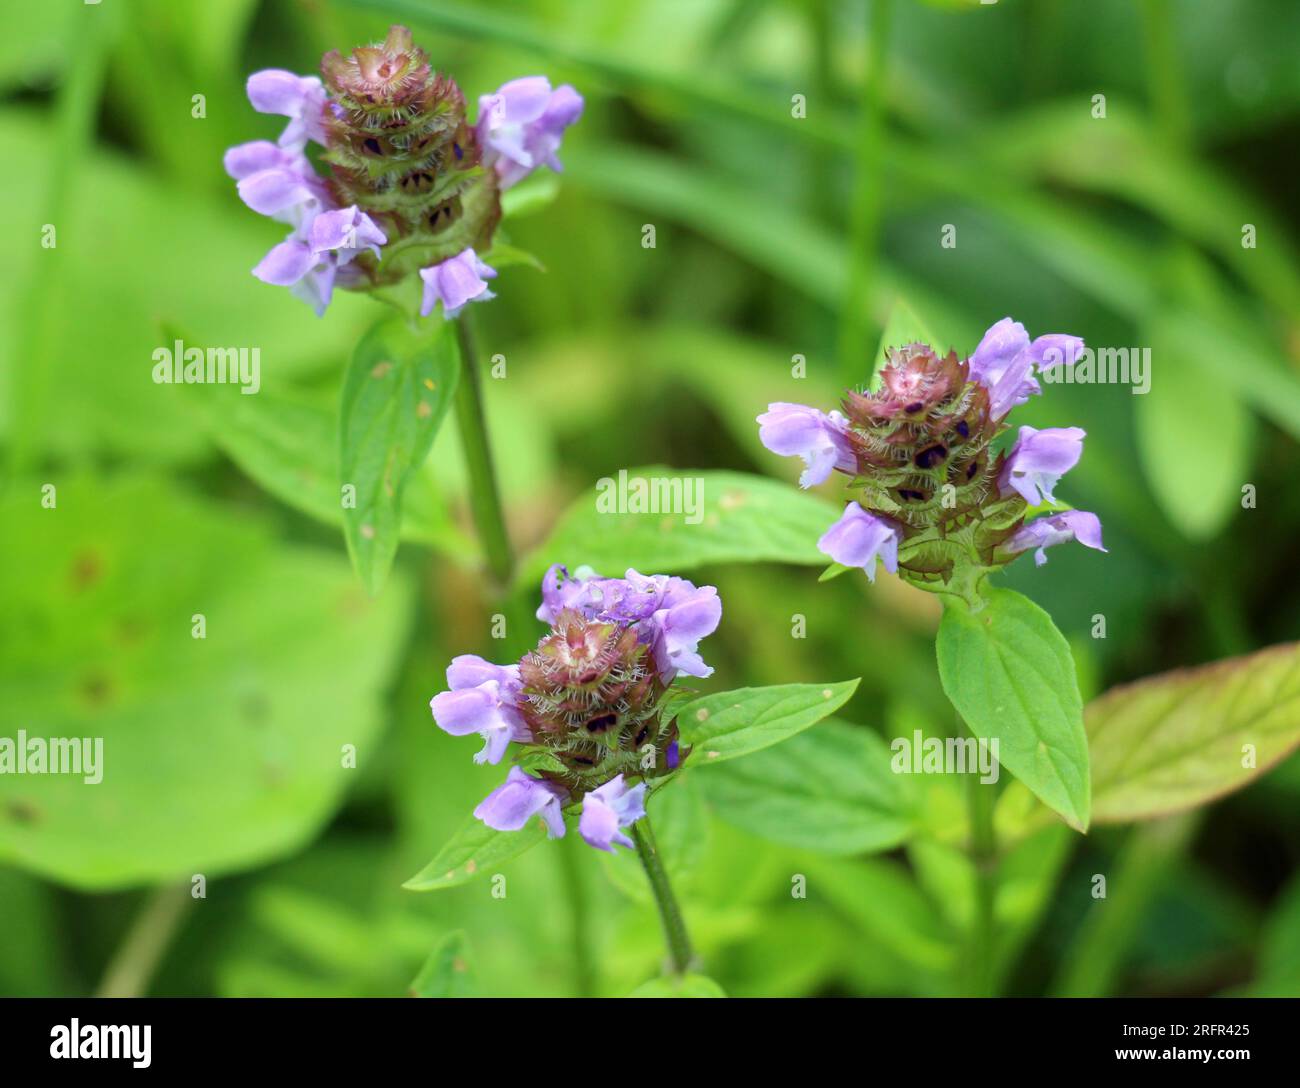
x=405, y=165
x=587, y=704
x=935, y=501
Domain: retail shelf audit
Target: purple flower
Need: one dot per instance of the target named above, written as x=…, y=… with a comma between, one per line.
x=277, y=182
x=820, y=439
x=456, y=281
x=1044, y=532
x=1005, y=361
x=299, y=98
x=608, y=808
x=308, y=261
x=671, y=615
x=521, y=126
x=1038, y=460
x=484, y=699
x=859, y=538
x=346, y=232
x=521, y=797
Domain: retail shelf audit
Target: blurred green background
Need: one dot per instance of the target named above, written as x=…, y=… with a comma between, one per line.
x=777, y=235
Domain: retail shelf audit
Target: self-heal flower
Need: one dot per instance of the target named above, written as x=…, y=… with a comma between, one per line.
x=522, y=124
x=456, y=282
x=608, y=808
x=1044, y=532
x=858, y=539
x=587, y=705
x=935, y=501
x=820, y=438
x=521, y=797
x=484, y=699
x=1038, y=460
x=406, y=171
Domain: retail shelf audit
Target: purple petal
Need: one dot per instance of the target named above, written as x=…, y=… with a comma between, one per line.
x=521, y=797
x=286, y=264
x=1000, y=346
x=244, y=159
x=455, y=282
x=1044, y=532
x=858, y=539
x=300, y=98
x=490, y=709
x=470, y=670
x=607, y=809
x=348, y=231
x=820, y=439
x=1038, y=460
x=1055, y=349
x=522, y=125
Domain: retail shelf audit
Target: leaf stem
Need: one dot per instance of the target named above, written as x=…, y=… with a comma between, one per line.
x=484, y=494
x=132, y=967
x=584, y=966
x=670, y=914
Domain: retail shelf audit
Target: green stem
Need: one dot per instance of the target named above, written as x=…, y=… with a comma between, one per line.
x=982, y=953
x=484, y=495
x=679, y=944
x=133, y=965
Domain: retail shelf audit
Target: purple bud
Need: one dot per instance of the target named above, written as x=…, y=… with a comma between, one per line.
x=859, y=538
x=1044, y=532
x=821, y=439
x=607, y=809
x=455, y=282
x=1038, y=460
x=521, y=797
x=522, y=125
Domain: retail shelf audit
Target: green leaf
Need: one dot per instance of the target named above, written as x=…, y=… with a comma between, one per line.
x=219, y=752
x=679, y=986
x=474, y=851
x=445, y=973
x=397, y=390
x=829, y=789
x=289, y=445
x=901, y=328
x=735, y=723
x=740, y=519
x=1010, y=674
x=1180, y=739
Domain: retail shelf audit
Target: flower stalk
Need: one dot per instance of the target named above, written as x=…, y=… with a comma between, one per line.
x=680, y=955
x=484, y=492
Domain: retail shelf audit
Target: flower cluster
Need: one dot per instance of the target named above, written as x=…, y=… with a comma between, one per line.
x=936, y=505
x=413, y=187
x=587, y=704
